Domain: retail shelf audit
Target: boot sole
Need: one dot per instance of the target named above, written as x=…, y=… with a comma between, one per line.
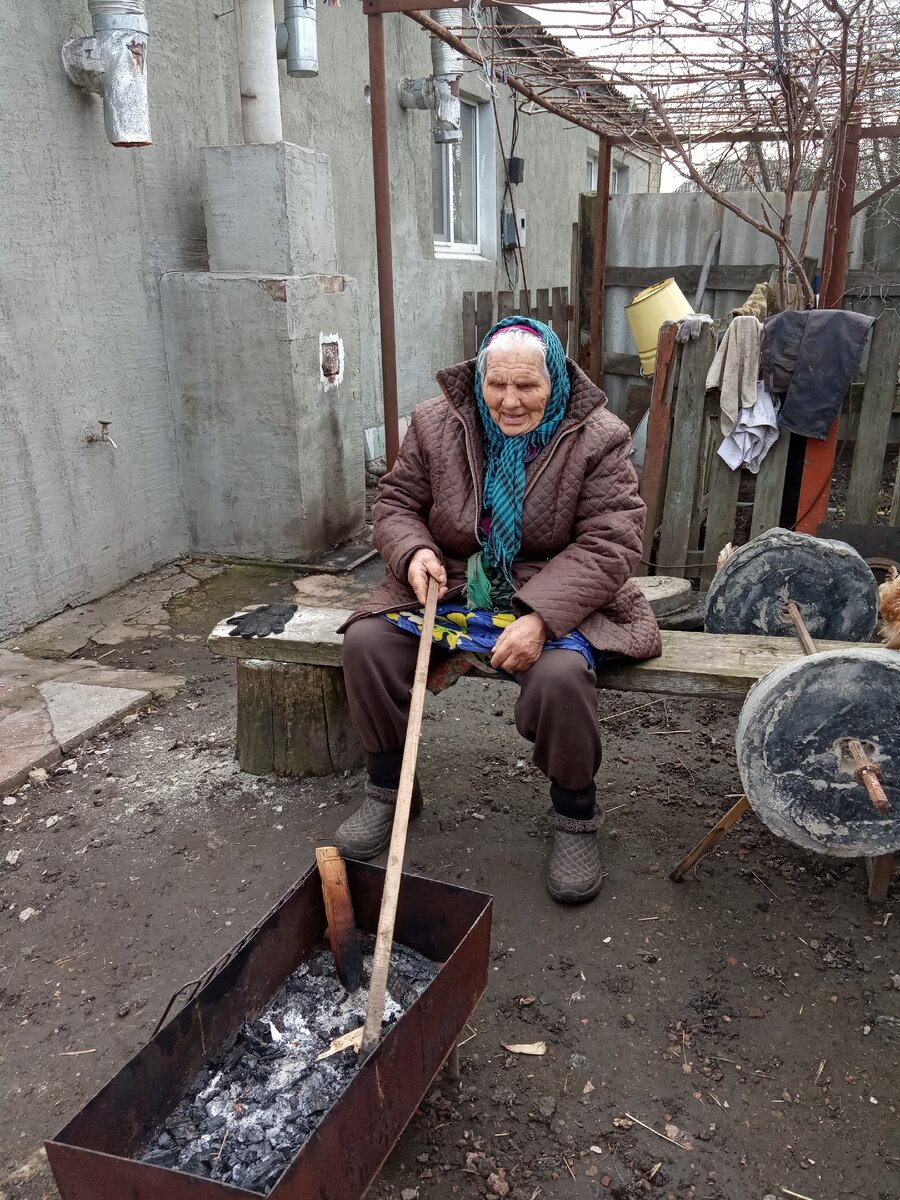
x=570, y=896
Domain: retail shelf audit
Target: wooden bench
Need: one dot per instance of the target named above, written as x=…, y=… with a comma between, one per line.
x=293, y=717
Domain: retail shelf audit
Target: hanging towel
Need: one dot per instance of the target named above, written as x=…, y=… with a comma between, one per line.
x=754, y=434
x=735, y=369
x=810, y=358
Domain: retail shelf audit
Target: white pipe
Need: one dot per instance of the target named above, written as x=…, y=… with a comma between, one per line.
x=254, y=22
x=445, y=60
x=302, y=46
x=113, y=64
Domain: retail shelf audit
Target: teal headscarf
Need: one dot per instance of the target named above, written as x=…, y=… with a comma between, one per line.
x=504, y=478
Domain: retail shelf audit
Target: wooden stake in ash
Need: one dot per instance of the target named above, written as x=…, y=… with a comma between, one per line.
x=342, y=934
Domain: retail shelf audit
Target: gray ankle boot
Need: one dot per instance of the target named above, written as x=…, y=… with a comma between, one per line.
x=368, y=831
x=574, y=872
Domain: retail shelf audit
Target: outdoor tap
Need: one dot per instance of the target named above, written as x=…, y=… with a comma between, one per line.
x=102, y=436
x=113, y=64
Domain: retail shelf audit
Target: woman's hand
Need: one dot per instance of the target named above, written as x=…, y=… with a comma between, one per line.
x=520, y=644
x=425, y=565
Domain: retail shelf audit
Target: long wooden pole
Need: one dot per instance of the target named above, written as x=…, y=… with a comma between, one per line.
x=385, y=937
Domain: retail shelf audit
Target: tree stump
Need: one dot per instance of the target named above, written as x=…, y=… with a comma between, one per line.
x=294, y=720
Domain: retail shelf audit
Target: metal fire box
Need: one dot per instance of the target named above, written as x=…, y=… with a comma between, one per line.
x=94, y=1156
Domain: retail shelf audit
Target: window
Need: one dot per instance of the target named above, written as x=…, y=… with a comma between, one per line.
x=456, y=197
x=592, y=163
x=619, y=182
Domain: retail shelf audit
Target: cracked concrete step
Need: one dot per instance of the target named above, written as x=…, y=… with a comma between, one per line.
x=48, y=708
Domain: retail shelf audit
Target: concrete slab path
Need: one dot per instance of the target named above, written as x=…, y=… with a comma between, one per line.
x=48, y=708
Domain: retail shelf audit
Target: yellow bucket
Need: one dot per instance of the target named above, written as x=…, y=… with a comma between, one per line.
x=648, y=312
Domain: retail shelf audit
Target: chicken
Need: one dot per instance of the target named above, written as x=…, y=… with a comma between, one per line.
x=889, y=608
x=724, y=554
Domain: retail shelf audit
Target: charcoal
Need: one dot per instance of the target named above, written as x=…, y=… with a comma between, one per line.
x=250, y=1110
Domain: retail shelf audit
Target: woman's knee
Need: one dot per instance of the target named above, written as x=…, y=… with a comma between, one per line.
x=372, y=640
x=560, y=672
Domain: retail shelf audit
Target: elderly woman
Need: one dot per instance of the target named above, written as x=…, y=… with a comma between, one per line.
x=514, y=490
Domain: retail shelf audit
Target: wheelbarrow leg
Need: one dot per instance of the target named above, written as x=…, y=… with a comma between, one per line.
x=879, y=869
x=452, y=1064
x=709, y=841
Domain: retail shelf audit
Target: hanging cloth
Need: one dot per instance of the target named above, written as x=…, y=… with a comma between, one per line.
x=735, y=369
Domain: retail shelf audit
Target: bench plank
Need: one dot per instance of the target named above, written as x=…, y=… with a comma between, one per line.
x=722, y=666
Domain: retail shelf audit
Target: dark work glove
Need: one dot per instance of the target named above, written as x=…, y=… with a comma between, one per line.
x=269, y=618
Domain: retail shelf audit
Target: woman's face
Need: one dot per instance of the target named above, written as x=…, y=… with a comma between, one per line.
x=516, y=389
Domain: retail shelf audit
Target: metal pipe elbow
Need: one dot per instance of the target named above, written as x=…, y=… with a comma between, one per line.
x=113, y=64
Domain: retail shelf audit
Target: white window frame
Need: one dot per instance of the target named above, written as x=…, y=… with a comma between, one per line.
x=485, y=246
x=621, y=173
x=593, y=170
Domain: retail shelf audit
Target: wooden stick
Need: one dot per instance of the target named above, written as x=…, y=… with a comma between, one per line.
x=342, y=935
x=390, y=896
x=868, y=774
x=665, y=1137
x=790, y=612
x=708, y=843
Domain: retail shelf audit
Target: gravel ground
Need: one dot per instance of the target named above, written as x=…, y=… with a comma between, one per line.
x=751, y=1015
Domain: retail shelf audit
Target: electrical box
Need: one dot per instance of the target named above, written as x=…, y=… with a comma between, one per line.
x=511, y=225
x=515, y=169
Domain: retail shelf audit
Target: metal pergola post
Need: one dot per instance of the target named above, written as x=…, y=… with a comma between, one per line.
x=598, y=274
x=383, y=240
x=818, y=461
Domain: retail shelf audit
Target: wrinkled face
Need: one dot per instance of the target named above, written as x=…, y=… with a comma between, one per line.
x=516, y=389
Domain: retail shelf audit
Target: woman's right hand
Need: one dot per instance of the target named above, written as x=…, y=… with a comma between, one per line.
x=425, y=565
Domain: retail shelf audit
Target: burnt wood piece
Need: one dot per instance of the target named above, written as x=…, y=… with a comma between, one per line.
x=342, y=934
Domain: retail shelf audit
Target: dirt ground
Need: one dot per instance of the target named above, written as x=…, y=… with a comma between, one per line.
x=750, y=1015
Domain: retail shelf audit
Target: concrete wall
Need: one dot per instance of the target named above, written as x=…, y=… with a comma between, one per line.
x=88, y=230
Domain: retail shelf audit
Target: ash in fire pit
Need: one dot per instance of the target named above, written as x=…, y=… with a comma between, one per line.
x=251, y=1109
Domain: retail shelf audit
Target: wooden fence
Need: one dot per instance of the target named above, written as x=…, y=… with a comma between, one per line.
x=693, y=497
x=481, y=310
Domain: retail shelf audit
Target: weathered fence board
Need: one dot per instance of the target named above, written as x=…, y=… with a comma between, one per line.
x=485, y=314
x=721, y=516
x=470, y=328
x=874, y=419
x=685, y=466
x=770, y=488
x=480, y=310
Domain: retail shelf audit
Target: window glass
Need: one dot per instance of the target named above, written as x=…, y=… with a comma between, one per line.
x=465, y=207
x=438, y=192
x=455, y=186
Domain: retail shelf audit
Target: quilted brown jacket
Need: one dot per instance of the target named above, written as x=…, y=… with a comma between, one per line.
x=582, y=517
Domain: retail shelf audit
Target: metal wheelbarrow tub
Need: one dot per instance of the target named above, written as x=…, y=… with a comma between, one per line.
x=92, y=1157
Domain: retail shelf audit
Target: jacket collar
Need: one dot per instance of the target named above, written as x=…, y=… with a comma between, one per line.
x=458, y=386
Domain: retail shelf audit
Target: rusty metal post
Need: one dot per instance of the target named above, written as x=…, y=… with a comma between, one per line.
x=818, y=462
x=383, y=248
x=598, y=275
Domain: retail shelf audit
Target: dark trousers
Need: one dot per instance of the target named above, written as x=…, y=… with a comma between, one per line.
x=556, y=709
